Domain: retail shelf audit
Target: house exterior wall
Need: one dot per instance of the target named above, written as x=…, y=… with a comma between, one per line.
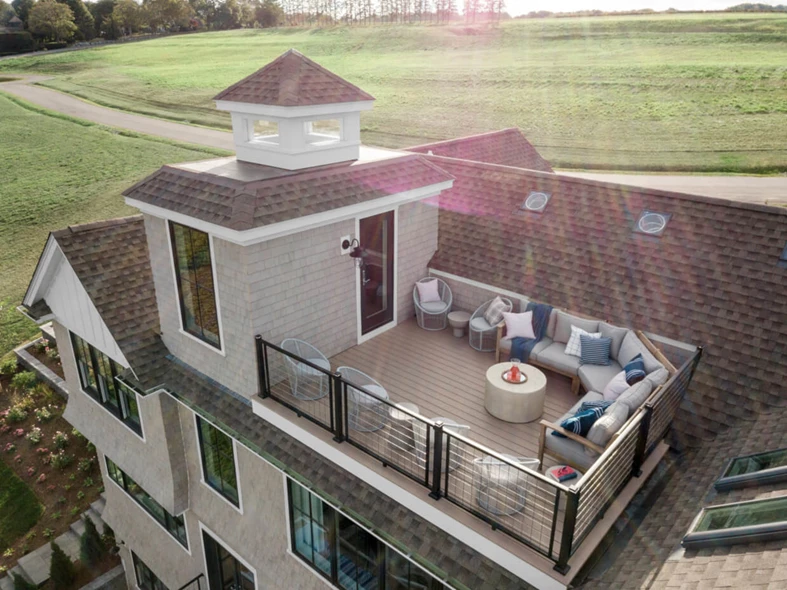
x=417, y=244
x=157, y=463
x=468, y=297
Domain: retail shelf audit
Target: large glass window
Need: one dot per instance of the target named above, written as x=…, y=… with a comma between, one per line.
x=346, y=554
x=218, y=460
x=97, y=374
x=175, y=525
x=194, y=274
x=758, y=520
x=757, y=469
x=146, y=579
x=225, y=571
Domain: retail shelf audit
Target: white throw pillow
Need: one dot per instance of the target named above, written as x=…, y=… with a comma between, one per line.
x=615, y=387
x=574, y=345
x=429, y=291
x=519, y=325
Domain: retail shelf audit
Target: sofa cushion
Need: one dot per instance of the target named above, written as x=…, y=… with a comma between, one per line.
x=631, y=347
x=571, y=451
x=434, y=306
x=554, y=356
x=616, y=386
x=494, y=311
x=551, y=324
x=617, y=335
x=658, y=377
x=636, y=395
x=505, y=345
x=574, y=344
x=480, y=324
x=611, y=422
x=564, y=323
x=594, y=351
x=597, y=377
x=635, y=370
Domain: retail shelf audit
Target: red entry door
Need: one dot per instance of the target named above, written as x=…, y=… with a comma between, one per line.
x=377, y=271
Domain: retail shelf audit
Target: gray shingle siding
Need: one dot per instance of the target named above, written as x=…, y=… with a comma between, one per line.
x=416, y=245
x=469, y=297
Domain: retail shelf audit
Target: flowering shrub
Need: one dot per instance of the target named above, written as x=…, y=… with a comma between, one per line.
x=44, y=414
x=50, y=487
x=19, y=432
x=60, y=440
x=18, y=459
x=52, y=353
x=60, y=460
x=9, y=447
x=41, y=345
x=34, y=436
x=41, y=478
x=16, y=413
x=31, y=471
x=86, y=464
x=4, y=428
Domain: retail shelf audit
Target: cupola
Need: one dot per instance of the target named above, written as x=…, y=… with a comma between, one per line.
x=295, y=114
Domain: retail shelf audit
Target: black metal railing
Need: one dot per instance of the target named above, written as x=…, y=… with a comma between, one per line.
x=505, y=492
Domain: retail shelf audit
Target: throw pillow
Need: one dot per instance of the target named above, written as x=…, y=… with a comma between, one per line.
x=635, y=370
x=574, y=345
x=581, y=422
x=605, y=427
x=494, y=311
x=615, y=387
x=519, y=325
x=636, y=395
x=594, y=351
x=428, y=291
x=601, y=403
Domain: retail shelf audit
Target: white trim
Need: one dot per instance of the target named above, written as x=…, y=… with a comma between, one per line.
x=229, y=549
x=296, y=112
x=239, y=507
x=472, y=283
x=361, y=338
x=291, y=226
x=179, y=302
x=417, y=504
x=50, y=249
x=149, y=515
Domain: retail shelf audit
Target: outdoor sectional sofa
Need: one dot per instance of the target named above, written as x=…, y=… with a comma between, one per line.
x=578, y=451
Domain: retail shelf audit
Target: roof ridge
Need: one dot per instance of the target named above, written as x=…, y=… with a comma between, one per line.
x=718, y=201
x=463, y=138
x=96, y=225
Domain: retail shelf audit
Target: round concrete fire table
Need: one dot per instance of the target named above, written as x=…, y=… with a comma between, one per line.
x=515, y=402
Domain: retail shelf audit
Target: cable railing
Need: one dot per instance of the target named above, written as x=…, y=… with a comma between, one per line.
x=508, y=493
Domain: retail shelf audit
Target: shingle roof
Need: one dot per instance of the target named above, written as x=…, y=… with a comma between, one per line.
x=648, y=553
x=712, y=278
x=111, y=260
x=507, y=147
x=293, y=80
x=242, y=205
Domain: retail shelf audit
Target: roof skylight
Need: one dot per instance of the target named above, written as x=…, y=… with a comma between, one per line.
x=741, y=522
x=652, y=223
x=536, y=201
x=756, y=469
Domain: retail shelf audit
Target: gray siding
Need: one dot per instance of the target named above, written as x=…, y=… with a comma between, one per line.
x=469, y=297
x=417, y=244
x=157, y=463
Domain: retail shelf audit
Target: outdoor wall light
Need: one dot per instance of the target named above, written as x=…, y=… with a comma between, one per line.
x=356, y=253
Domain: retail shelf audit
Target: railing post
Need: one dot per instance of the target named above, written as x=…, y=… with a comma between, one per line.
x=261, y=368
x=567, y=538
x=437, y=460
x=337, y=391
x=642, y=442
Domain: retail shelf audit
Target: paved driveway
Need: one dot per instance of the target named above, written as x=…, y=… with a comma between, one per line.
x=751, y=189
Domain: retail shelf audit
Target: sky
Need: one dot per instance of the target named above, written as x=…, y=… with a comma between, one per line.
x=517, y=7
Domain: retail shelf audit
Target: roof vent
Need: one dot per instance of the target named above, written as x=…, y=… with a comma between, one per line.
x=536, y=201
x=652, y=223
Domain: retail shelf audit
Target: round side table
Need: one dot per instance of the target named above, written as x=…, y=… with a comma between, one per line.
x=515, y=402
x=459, y=321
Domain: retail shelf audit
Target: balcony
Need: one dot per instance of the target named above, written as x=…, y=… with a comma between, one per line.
x=471, y=469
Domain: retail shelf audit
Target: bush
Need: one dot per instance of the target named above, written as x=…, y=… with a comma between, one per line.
x=21, y=583
x=91, y=549
x=86, y=465
x=8, y=366
x=44, y=414
x=61, y=570
x=60, y=440
x=24, y=380
x=60, y=460
x=108, y=536
x=55, y=45
x=34, y=436
x=16, y=413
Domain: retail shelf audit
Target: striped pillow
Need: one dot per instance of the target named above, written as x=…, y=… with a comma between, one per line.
x=581, y=422
x=574, y=344
x=635, y=370
x=601, y=403
x=594, y=351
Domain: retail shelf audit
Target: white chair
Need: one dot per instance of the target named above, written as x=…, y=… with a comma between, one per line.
x=483, y=336
x=367, y=412
x=306, y=383
x=433, y=315
x=500, y=487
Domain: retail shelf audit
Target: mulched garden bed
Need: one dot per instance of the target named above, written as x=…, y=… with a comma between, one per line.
x=57, y=463
x=48, y=355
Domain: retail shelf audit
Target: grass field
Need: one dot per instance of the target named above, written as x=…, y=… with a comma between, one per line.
x=60, y=171
x=664, y=92
x=19, y=507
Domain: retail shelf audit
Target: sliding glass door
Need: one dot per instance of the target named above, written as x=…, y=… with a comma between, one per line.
x=225, y=571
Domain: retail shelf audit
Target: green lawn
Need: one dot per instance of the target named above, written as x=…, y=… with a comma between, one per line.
x=59, y=171
x=19, y=507
x=664, y=92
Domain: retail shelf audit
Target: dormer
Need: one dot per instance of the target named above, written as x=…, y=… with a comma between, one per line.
x=295, y=114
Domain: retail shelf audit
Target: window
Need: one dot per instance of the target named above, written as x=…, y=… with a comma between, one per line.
x=323, y=132
x=97, y=376
x=174, y=525
x=757, y=469
x=536, y=201
x=146, y=579
x=743, y=522
x=194, y=276
x=347, y=555
x=225, y=571
x=264, y=132
x=652, y=223
x=218, y=460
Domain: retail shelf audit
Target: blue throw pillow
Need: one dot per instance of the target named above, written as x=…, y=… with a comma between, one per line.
x=602, y=403
x=635, y=370
x=580, y=422
x=594, y=351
